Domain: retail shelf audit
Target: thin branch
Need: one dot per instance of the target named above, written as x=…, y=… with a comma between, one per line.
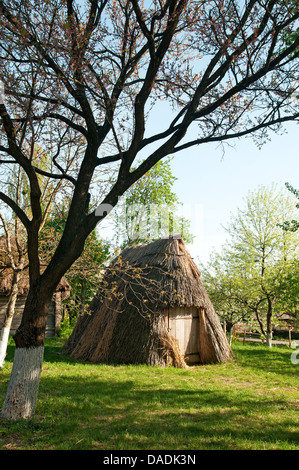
x=236, y=135
x=17, y=210
x=55, y=175
x=8, y=161
x=55, y=101
x=16, y=152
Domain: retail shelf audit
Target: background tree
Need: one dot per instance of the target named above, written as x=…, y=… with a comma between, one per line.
x=225, y=289
x=87, y=74
x=14, y=260
x=86, y=272
x=259, y=256
x=293, y=224
x=288, y=300
x=149, y=209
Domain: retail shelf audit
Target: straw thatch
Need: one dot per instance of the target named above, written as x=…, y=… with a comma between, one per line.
x=6, y=276
x=6, y=273
x=126, y=322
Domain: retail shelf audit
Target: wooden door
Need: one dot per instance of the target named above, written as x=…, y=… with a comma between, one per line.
x=183, y=324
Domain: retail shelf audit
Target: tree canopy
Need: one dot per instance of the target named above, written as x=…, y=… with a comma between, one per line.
x=292, y=225
x=254, y=278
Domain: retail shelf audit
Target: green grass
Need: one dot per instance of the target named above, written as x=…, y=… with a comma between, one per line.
x=249, y=403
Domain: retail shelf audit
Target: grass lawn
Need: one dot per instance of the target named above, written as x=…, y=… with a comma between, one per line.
x=249, y=403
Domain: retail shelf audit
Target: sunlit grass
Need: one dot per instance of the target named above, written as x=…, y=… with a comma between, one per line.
x=249, y=403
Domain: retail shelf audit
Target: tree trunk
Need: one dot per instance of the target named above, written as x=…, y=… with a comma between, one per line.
x=230, y=326
x=230, y=336
x=269, y=322
x=290, y=337
x=260, y=322
x=4, y=335
x=269, y=339
x=9, y=317
x=21, y=396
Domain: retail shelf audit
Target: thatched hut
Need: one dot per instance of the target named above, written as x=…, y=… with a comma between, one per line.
x=55, y=307
x=151, y=308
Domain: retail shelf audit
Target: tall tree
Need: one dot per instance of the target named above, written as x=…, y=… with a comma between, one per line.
x=88, y=73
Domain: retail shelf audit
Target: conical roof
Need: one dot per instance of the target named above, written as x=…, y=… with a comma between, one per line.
x=126, y=319
x=166, y=269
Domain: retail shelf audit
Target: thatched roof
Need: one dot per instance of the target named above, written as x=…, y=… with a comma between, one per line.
x=124, y=321
x=6, y=274
x=167, y=264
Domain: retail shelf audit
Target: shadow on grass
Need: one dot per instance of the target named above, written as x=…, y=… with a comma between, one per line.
x=95, y=414
x=261, y=357
x=53, y=353
x=117, y=409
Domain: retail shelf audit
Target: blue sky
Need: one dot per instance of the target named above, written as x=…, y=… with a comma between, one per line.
x=212, y=185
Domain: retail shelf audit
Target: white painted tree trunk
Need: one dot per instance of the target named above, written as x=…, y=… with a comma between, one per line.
x=4, y=335
x=10, y=311
x=21, y=396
